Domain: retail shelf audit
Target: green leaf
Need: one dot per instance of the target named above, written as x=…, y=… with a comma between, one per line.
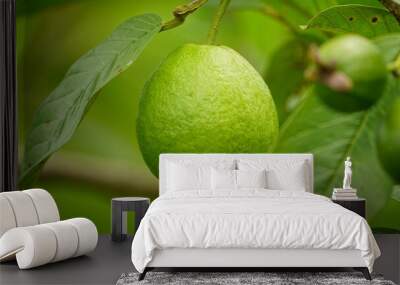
x=312, y=7
x=365, y=20
x=396, y=193
x=372, y=3
x=298, y=12
x=332, y=136
x=59, y=115
x=389, y=45
x=285, y=74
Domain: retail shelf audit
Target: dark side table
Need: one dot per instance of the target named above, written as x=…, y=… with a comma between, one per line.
x=355, y=205
x=119, y=207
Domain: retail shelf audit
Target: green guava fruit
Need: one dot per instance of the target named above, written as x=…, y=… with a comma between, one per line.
x=361, y=61
x=205, y=99
x=389, y=141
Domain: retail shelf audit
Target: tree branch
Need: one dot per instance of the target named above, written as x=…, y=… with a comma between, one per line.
x=298, y=8
x=393, y=6
x=180, y=13
x=271, y=12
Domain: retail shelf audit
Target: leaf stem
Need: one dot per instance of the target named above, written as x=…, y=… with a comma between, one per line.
x=212, y=33
x=180, y=13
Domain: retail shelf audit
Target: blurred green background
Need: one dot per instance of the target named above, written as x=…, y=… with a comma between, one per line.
x=103, y=159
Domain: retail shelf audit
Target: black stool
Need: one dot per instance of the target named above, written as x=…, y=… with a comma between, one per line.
x=119, y=208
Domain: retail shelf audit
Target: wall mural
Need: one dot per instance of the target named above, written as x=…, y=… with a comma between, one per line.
x=105, y=88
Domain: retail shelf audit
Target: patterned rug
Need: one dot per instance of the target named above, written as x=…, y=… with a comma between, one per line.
x=269, y=278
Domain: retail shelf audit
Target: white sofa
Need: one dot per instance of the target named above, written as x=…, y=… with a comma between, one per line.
x=31, y=231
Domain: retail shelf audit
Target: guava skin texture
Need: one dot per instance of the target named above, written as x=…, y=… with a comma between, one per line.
x=205, y=99
x=362, y=62
x=389, y=141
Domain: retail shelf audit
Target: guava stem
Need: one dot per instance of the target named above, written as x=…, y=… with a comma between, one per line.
x=212, y=33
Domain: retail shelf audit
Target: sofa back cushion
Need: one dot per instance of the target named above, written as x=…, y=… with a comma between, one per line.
x=26, y=208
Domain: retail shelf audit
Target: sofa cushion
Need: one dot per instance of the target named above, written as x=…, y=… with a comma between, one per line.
x=45, y=205
x=7, y=220
x=40, y=244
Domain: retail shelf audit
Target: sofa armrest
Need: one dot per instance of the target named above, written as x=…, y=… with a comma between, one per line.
x=40, y=244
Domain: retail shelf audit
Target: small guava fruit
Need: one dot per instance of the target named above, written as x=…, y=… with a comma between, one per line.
x=205, y=99
x=388, y=143
x=358, y=59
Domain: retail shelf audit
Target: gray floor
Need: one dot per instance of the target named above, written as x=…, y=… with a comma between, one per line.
x=111, y=259
x=103, y=266
x=388, y=264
